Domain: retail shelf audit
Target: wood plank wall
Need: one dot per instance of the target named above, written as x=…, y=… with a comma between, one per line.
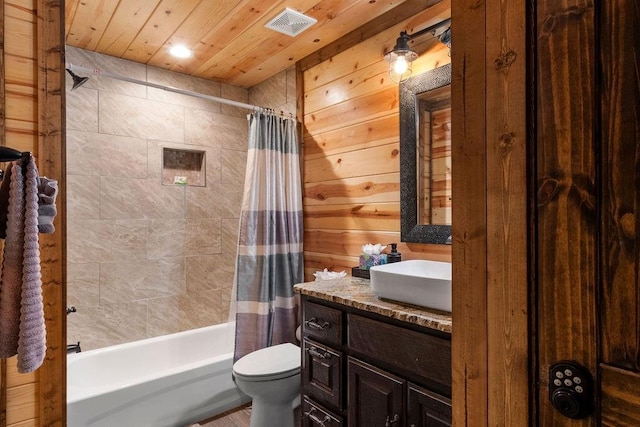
x=351, y=148
x=20, y=68
x=490, y=343
x=34, y=122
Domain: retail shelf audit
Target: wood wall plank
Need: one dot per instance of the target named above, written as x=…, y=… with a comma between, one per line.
x=22, y=403
x=469, y=352
x=381, y=131
x=368, y=189
x=507, y=226
x=50, y=151
x=379, y=160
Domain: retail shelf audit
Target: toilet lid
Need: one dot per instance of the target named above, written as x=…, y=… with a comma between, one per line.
x=278, y=361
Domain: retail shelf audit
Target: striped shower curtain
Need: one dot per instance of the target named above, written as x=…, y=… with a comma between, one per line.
x=269, y=259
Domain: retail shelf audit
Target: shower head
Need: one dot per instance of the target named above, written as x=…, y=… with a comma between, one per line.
x=445, y=37
x=77, y=80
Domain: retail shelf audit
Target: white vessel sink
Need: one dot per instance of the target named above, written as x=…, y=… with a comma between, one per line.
x=417, y=282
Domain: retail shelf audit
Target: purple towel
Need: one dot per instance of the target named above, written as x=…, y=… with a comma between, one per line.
x=47, y=192
x=32, y=344
x=11, y=273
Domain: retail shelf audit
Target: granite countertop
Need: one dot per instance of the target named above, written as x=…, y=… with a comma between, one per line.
x=355, y=292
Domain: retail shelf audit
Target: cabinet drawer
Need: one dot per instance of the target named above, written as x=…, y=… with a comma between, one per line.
x=408, y=350
x=322, y=323
x=314, y=415
x=322, y=373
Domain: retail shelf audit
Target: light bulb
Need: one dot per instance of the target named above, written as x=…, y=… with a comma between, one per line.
x=400, y=66
x=180, y=51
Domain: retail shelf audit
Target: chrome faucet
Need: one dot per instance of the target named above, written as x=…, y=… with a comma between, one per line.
x=73, y=348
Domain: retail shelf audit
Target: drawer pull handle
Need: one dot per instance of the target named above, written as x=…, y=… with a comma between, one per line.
x=320, y=355
x=394, y=420
x=315, y=419
x=314, y=324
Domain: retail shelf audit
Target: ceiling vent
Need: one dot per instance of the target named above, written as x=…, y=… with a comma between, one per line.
x=291, y=22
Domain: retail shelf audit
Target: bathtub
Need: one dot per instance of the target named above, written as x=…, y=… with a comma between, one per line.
x=173, y=380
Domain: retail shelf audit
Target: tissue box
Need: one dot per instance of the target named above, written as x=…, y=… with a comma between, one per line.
x=368, y=261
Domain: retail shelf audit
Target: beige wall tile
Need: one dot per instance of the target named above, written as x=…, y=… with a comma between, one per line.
x=184, y=312
x=91, y=153
x=233, y=166
x=206, y=273
x=103, y=326
x=234, y=93
x=167, y=238
x=123, y=281
x=183, y=82
x=129, y=116
x=215, y=130
x=112, y=65
x=106, y=241
x=271, y=93
x=83, y=197
x=83, y=285
x=82, y=109
x=122, y=198
x=202, y=236
x=214, y=201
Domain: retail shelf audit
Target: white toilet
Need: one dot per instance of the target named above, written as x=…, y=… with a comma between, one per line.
x=271, y=377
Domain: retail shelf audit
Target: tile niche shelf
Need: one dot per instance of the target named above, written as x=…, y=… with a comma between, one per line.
x=183, y=167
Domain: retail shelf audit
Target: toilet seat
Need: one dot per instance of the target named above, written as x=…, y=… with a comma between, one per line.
x=270, y=363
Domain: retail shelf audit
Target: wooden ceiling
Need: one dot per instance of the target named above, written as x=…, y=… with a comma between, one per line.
x=228, y=38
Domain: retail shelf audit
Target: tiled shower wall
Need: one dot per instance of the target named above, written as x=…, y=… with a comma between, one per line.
x=146, y=259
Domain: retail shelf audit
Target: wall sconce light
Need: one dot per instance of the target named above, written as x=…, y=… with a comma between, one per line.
x=401, y=56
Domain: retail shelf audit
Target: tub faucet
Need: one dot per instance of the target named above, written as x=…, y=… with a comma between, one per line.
x=73, y=348
x=71, y=309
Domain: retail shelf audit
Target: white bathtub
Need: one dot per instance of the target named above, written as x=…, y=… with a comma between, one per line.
x=174, y=380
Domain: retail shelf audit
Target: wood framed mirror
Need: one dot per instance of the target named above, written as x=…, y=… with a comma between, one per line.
x=421, y=96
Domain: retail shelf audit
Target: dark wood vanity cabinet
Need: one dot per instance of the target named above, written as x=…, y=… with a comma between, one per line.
x=361, y=369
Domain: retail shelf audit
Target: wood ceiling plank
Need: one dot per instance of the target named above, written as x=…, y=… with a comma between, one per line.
x=70, y=8
x=89, y=23
x=208, y=36
x=166, y=19
x=335, y=18
x=226, y=55
x=338, y=21
x=124, y=26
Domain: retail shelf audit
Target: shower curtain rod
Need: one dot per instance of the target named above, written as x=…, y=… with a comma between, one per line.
x=100, y=73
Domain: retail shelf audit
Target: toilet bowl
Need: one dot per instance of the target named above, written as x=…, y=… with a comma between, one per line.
x=271, y=377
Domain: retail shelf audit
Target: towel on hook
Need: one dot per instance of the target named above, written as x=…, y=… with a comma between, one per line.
x=47, y=192
x=32, y=344
x=4, y=201
x=11, y=273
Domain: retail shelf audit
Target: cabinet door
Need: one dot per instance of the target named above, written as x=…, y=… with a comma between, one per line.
x=375, y=396
x=427, y=409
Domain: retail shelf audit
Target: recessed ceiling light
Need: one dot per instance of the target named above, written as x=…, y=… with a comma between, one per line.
x=180, y=51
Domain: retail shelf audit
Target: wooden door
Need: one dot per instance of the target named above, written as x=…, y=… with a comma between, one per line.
x=587, y=243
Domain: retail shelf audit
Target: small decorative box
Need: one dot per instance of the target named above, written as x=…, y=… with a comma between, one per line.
x=360, y=272
x=368, y=261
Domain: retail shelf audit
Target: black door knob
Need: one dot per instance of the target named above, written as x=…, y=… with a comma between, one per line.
x=570, y=389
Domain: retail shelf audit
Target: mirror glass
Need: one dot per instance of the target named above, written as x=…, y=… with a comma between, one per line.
x=425, y=157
